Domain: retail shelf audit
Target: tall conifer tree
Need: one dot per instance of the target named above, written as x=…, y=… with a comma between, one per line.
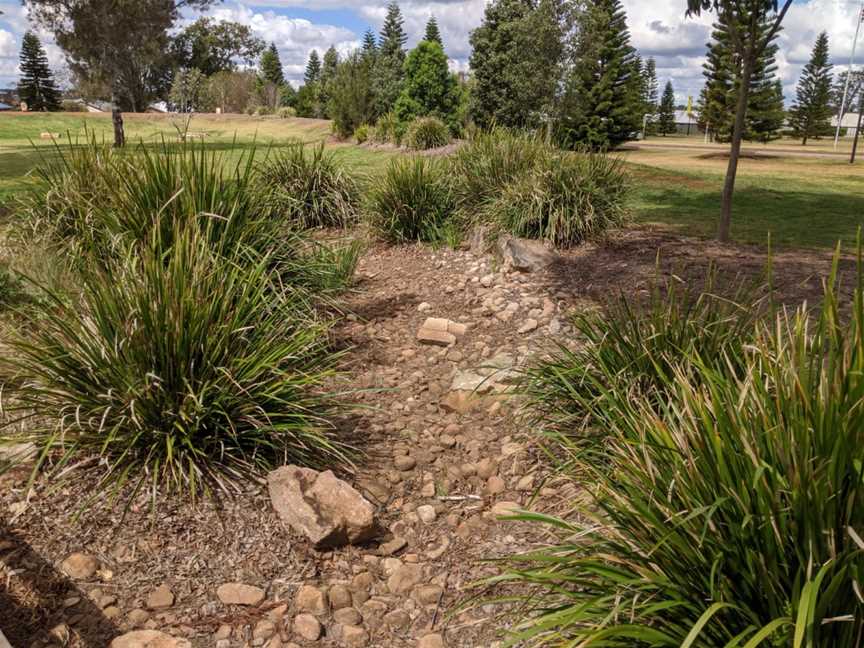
x=666, y=114
x=271, y=66
x=36, y=87
x=388, y=72
x=811, y=114
x=313, y=69
x=433, y=34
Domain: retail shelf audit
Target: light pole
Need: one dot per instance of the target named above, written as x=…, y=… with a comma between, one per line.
x=860, y=19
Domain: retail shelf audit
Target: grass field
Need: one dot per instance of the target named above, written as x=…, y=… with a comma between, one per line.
x=800, y=201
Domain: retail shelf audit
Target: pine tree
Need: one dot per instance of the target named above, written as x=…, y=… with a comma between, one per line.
x=388, y=73
x=603, y=96
x=430, y=88
x=722, y=72
x=666, y=115
x=369, y=49
x=36, y=87
x=810, y=116
x=766, y=112
x=313, y=69
x=328, y=72
x=651, y=96
x=271, y=66
x=433, y=34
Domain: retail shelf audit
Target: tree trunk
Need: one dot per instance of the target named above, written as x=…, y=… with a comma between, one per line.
x=119, y=133
x=735, y=151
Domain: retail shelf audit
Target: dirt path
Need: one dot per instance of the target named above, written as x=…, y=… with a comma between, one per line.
x=444, y=455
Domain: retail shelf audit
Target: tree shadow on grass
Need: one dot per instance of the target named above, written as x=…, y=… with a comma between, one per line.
x=36, y=598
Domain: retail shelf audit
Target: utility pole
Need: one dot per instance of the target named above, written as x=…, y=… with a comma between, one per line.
x=858, y=21
x=857, y=129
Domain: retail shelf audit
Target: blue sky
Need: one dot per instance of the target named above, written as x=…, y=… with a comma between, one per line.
x=658, y=28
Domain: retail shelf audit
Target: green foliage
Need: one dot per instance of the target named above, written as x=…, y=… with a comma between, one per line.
x=432, y=33
x=666, y=116
x=188, y=91
x=389, y=60
x=728, y=509
x=601, y=107
x=213, y=46
x=429, y=88
x=427, y=133
x=309, y=188
x=412, y=202
x=352, y=101
x=811, y=114
x=186, y=370
x=515, y=58
x=564, y=199
x=489, y=162
x=389, y=130
x=286, y=112
x=722, y=72
x=362, y=133
x=650, y=97
x=313, y=69
x=271, y=66
x=36, y=86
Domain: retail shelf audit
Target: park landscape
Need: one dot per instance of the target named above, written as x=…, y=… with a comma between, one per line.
x=272, y=380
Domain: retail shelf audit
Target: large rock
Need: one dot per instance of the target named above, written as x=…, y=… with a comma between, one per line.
x=148, y=639
x=325, y=509
x=524, y=254
x=436, y=330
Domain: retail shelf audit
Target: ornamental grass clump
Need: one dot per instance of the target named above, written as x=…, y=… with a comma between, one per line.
x=309, y=188
x=412, y=202
x=427, y=133
x=730, y=512
x=566, y=198
x=183, y=368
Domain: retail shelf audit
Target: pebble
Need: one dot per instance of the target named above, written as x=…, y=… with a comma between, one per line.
x=486, y=468
x=137, y=617
x=426, y=513
x=80, y=566
x=311, y=599
x=339, y=596
x=354, y=636
x=495, y=485
x=240, y=594
x=404, y=579
x=307, y=627
x=505, y=508
x=159, y=598
x=404, y=463
x=528, y=326
x=431, y=641
x=347, y=616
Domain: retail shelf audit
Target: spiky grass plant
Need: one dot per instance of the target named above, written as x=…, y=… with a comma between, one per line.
x=565, y=199
x=729, y=513
x=185, y=369
x=388, y=130
x=637, y=348
x=309, y=188
x=491, y=161
x=412, y=202
x=427, y=133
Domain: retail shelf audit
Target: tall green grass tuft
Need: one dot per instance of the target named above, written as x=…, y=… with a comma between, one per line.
x=184, y=369
x=412, y=202
x=729, y=512
x=427, y=133
x=309, y=188
x=565, y=199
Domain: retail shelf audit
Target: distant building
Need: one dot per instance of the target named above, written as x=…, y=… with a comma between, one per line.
x=849, y=125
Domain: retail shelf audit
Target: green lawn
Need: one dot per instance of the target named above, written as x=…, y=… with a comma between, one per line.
x=802, y=202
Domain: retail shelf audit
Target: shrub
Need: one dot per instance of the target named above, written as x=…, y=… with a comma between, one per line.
x=361, y=134
x=309, y=189
x=427, y=133
x=389, y=130
x=286, y=112
x=183, y=369
x=565, y=199
x=261, y=111
x=728, y=513
x=413, y=201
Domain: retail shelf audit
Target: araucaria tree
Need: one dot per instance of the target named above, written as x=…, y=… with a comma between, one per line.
x=666, y=116
x=810, y=116
x=603, y=91
x=429, y=87
x=36, y=87
x=516, y=59
x=308, y=97
x=651, y=95
x=433, y=34
x=271, y=66
x=745, y=21
x=388, y=73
